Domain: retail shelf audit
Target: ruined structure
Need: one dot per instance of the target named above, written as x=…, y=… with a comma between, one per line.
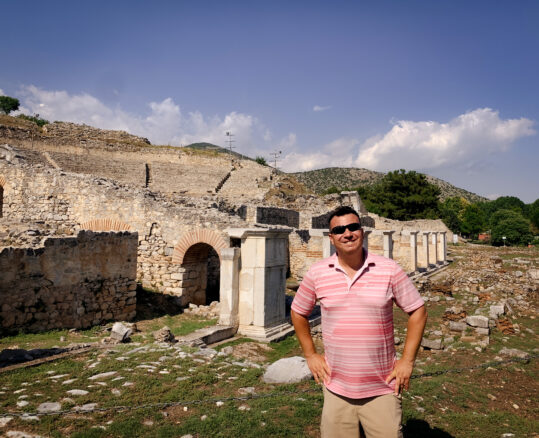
x=210, y=227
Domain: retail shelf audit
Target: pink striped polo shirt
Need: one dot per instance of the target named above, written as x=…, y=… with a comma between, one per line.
x=357, y=320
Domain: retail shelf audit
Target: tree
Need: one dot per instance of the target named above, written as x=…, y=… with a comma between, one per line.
x=402, y=195
x=261, y=160
x=452, y=212
x=534, y=214
x=8, y=104
x=512, y=225
x=473, y=221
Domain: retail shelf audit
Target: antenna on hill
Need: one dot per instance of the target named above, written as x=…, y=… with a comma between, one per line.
x=275, y=155
x=230, y=141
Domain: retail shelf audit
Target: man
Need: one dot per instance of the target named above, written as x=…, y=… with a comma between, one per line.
x=362, y=378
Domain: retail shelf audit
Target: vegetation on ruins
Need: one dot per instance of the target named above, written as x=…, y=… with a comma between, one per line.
x=35, y=119
x=261, y=160
x=8, y=104
x=402, y=195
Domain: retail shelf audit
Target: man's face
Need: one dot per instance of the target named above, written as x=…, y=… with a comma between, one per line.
x=349, y=242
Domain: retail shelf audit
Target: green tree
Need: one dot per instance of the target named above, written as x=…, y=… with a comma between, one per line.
x=505, y=203
x=473, y=221
x=261, y=160
x=8, y=104
x=452, y=212
x=512, y=225
x=534, y=215
x=402, y=195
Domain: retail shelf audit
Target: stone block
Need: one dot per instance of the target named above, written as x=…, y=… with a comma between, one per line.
x=432, y=344
x=477, y=321
x=456, y=326
x=482, y=331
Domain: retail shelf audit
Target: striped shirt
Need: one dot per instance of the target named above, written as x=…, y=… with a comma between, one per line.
x=357, y=320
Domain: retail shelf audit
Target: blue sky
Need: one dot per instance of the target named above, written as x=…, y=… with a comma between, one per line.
x=449, y=88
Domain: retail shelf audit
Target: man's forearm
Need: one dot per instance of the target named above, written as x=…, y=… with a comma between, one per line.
x=414, y=333
x=303, y=333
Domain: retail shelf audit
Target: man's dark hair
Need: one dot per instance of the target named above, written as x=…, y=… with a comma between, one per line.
x=342, y=211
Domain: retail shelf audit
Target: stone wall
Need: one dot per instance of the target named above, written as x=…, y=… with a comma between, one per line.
x=277, y=216
x=69, y=282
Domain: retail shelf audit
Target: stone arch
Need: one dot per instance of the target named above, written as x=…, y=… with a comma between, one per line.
x=2, y=184
x=198, y=254
x=105, y=225
x=199, y=236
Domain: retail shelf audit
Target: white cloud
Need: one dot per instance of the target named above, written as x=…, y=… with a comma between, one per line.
x=318, y=108
x=2, y=92
x=164, y=124
x=427, y=145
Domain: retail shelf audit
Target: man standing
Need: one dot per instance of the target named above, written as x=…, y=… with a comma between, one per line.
x=362, y=378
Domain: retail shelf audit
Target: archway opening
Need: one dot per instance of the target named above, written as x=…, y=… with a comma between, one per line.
x=202, y=273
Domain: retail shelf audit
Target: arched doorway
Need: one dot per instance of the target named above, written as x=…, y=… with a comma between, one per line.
x=202, y=274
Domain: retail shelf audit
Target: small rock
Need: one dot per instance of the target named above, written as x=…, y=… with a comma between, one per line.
x=288, y=370
x=22, y=404
x=491, y=397
x=102, y=375
x=432, y=344
x=456, y=326
x=164, y=335
x=77, y=392
x=204, y=417
x=4, y=421
x=88, y=407
x=17, y=434
x=49, y=407
x=120, y=332
x=513, y=352
x=516, y=406
x=219, y=403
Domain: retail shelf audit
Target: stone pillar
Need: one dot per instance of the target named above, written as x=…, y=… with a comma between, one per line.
x=327, y=248
x=426, y=248
x=366, y=232
x=443, y=248
x=435, y=260
x=413, y=250
x=352, y=198
x=262, y=282
x=229, y=286
x=388, y=243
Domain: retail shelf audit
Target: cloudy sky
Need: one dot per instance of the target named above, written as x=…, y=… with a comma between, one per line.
x=449, y=88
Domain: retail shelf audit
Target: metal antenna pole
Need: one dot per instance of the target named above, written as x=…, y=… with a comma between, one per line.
x=275, y=156
x=230, y=141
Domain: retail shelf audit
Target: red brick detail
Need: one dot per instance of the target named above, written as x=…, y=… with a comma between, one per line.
x=3, y=181
x=105, y=225
x=198, y=236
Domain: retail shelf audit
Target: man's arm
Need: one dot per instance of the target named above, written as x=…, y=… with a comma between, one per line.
x=316, y=362
x=404, y=366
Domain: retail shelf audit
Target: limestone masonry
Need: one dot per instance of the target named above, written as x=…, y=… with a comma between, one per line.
x=188, y=209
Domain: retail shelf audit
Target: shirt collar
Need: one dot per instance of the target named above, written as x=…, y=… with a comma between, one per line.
x=333, y=261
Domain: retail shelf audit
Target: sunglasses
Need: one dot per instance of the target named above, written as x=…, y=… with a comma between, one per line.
x=340, y=229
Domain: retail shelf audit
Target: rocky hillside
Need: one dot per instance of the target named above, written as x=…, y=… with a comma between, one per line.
x=321, y=180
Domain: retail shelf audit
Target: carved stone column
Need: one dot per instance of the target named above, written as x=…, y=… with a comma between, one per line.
x=229, y=286
x=388, y=243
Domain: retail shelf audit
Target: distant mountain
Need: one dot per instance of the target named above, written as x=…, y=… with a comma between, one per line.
x=344, y=178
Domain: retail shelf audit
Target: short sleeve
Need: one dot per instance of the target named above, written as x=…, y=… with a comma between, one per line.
x=405, y=293
x=305, y=298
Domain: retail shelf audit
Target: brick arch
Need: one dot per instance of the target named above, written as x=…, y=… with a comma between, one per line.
x=197, y=239
x=3, y=181
x=106, y=225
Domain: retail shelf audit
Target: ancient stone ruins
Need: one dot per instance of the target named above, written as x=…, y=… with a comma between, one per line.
x=86, y=214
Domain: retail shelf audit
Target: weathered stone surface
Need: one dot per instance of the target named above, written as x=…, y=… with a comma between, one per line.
x=432, y=344
x=288, y=370
x=49, y=407
x=164, y=335
x=514, y=352
x=456, y=326
x=477, y=321
x=120, y=332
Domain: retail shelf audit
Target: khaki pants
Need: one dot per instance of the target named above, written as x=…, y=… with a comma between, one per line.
x=380, y=416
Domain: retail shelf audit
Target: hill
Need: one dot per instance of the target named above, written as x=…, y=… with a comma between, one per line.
x=344, y=178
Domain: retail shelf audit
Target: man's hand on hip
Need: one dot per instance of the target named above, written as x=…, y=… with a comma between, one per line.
x=319, y=368
x=401, y=373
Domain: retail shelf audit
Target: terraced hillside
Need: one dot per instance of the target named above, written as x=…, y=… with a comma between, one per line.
x=344, y=178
